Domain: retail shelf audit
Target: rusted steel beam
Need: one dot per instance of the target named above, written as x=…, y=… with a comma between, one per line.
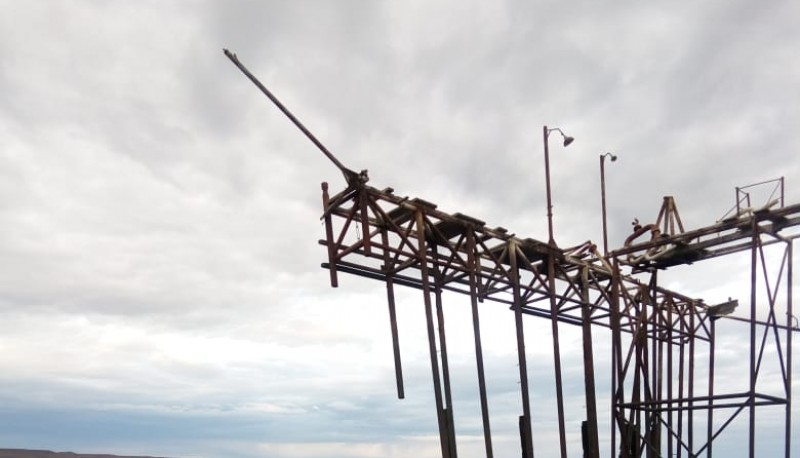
x=789, y=324
x=398, y=365
x=753, y=306
x=441, y=415
x=329, y=235
x=525, y=422
x=491, y=264
x=350, y=176
x=364, y=205
x=670, y=357
x=476, y=329
x=690, y=389
x=448, y=398
x=551, y=280
x=593, y=449
x=711, y=360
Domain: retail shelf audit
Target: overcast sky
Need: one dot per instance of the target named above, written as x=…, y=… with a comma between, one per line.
x=160, y=287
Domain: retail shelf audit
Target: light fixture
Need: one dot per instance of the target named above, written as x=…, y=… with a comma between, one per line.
x=567, y=141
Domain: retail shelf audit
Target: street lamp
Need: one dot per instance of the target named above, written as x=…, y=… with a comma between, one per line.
x=567, y=141
x=551, y=278
x=603, y=197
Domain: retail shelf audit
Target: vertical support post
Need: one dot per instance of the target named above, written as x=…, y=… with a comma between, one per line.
x=690, y=413
x=551, y=240
x=363, y=202
x=681, y=375
x=616, y=348
x=593, y=449
x=448, y=398
x=658, y=345
x=782, y=190
x=789, y=332
x=752, y=386
x=648, y=364
x=398, y=366
x=711, y=351
x=738, y=206
x=641, y=375
x=613, y=391
x=474, y=268
x=329, y=235
x=426, y=294
x=658, y=372
x=670, y=376
x=551, y=280
x=525, y=423
x=657, y=367
x=603, y=202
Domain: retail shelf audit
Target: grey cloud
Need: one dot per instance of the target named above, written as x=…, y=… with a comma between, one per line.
x=149, y=189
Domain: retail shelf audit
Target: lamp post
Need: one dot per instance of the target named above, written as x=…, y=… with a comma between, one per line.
x=603, y=197
x=605, y=253
x=567, y=141
x=551, y=280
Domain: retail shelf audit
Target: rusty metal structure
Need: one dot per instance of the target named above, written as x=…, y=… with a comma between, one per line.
x=659, y=339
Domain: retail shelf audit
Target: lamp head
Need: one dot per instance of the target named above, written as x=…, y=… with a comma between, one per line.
x=613, y=158
x=567, y=138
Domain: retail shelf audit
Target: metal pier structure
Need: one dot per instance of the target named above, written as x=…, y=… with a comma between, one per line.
x=664, y=345
x=656, y=333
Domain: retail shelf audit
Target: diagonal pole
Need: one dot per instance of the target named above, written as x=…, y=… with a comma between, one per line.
x=349, y=175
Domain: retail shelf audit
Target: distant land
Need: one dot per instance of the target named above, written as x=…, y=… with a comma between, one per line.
x=20, y=453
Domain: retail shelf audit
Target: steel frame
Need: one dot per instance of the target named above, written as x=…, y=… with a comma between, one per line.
x=408, y=242
x=654, y=331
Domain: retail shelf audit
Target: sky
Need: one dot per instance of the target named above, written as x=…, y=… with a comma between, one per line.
x=161, y=290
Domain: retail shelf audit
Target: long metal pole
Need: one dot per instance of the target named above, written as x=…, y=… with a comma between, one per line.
x=616, y=348
x=711, y=352
x=349, y=175
x=474, y=268
x=603, y=202
x=441, y=415
x=551, y=275
x=551, y=240
x=789, y=333
x=329, y=243
x=525, y=423
x=562, y=434
x=752, y=387
x=670, y=377
x=690, y=388
x=451, y=434
x=593, y=450
x=398, y=366
x=613, y=392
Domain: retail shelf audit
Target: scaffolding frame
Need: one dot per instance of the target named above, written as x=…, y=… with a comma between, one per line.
x=655, y=332
x=408, y=242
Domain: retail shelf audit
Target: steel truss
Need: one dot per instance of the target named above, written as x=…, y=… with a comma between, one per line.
x=655, y=332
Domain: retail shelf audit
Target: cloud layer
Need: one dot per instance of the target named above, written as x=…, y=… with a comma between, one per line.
x=161, y=291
